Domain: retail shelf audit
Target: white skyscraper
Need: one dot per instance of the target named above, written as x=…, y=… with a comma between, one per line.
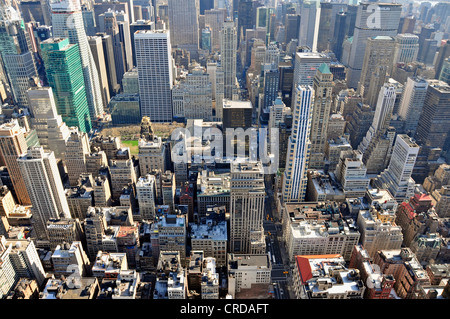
x=67, y=22
x=309, y=23
x=406, y=48
x=154, y=64
x=411, y=103
x=297, y=158
x=382, y=117
x=247, y=208
x=43, y=182
x=50, y=128
x=228, y=60
x=397, y=177
x=146, y=196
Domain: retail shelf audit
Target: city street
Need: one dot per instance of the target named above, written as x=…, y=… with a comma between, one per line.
x=280, y=268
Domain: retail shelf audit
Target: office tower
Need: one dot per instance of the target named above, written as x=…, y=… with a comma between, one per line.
x=321, y=109
x=426, y=32
x=445, y=71
x=151, y=149
x=428, y=52
x=146, y=196
x=246, y=18
x=102, y=192
x=352, y=174
x=122, y=173
x=65, y=76
x=379, y=51
x=228, y=58
x=247, y=208
x=77, y=148
x=13, y=146
x=96, y=45
x=397, y=177
x=443, y=54
x=16, y=53
x=50, y=128
x=118, y=6
x=154, y=64
x=172, y=234
x=328, y=13
x=214, y=19
x=205, y=5
x=297, y=158
x=412, y=102
x=271, y=89
x=358, y=123
x=366, y=26
x=309, y=24
x=135, y=26
x=206, y=39
x=382, y=117
x=19, y=259
x=340, y=31
x=108, y=51
x=110, y=24
x=183, y=24
x=432, y=130
x=305, y=68
x=406, y=48
x=408, y=25
x=292, y=25
x=43, y=182
x=67, y=20
x=196, y=91
x=70, y=256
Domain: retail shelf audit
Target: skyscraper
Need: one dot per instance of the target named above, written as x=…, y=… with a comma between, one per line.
x=397, y=177
x=371, y=20
x=297, y=158
x=412, y=102
x=77, y=148
x=50, y=128
x=154, y=64
x=65, y=76
x=228, y=58
x=13, y=146
x=321, y=109
x=432, y=130
x=406, y=48
x=43, y=182
x=215, y=18
x=247, y=208
x=309, y=24
x=67, y=21
x=96, y=45
x=15, y=50
x=379, y=51
x=183, y=24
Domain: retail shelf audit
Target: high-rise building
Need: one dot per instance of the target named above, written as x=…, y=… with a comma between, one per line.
x=305, y=68
x=67, y=21
x=292, y=25
x=385, y=23
x=135, y=26
x=77, y=148
x=412, y=102
x=328, y=14
x=406, y=48
x=309, y=24
x=43, y=182
x=247, y=208
x=432, y=130
x=445, y=71
x=297, y=158
x=321, y=109
x=16, y=53
x=108, y=51
x=397, y=177
x=379, y=51
x=12, y=146
x=96, y=45
x=443, y=54
x=19, y=259
x=228, y=58
x=50, y=128
x=214, y=19
x=340, y=31
x=154, y=63
x=352, y=174
x=65, y=76
x=146, y=196
x=183, y=24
